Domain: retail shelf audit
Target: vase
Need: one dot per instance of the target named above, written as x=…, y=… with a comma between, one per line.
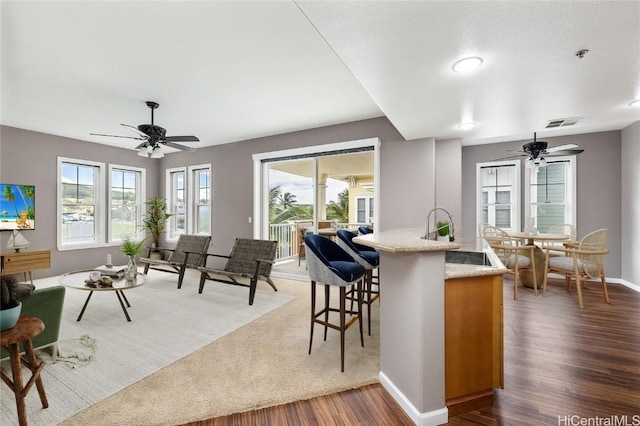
x=132, y=269
x=443, y=238
x=9, y=317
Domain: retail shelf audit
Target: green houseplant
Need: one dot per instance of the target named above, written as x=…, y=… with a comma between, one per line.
x=130, y=248
x=443, y=230
x=155, y=219
x=10, y=307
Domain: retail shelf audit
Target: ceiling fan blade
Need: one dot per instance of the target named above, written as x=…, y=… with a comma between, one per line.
x=181, y=139
x=143, y=144
x=135, y=129
x=178, y=146
x=117, y=136
x=513, y=157
x=563, y=147
x=564, y=152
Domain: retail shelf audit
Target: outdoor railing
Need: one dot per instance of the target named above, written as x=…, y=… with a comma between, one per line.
x=286, y=234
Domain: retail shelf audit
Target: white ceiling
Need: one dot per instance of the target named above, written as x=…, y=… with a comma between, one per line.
x=231, y=71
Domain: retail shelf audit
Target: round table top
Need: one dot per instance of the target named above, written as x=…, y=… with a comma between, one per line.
x=25, y=328
x=78, y=280
x=540, y=236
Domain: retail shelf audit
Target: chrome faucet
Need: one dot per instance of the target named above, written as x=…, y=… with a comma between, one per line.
x=451, y=231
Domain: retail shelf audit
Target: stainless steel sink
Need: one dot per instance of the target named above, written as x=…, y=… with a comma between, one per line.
x=467, y=257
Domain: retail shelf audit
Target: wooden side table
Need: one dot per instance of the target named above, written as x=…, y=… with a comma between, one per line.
x=22, y=332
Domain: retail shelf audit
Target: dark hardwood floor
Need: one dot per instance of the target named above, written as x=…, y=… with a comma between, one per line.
x=559, y=362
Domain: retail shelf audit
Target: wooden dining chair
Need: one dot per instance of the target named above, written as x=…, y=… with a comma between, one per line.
x=514, y=255
x=561, y=229
x=581, y=263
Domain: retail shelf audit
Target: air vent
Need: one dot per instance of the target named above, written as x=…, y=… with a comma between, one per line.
x=562, y=122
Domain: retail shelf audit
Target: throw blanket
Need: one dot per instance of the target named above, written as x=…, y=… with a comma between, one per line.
x=76, y=352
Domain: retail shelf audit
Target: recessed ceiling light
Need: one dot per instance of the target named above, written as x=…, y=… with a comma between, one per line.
x=635, y=103
x=467, y=64
x=468, y=125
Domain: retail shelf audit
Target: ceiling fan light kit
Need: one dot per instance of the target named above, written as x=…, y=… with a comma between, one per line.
x=153, y=137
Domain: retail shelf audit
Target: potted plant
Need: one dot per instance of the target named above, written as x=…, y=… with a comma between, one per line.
x=10, y=307
x=131, y=248
x=155, y=219
x=443, y=231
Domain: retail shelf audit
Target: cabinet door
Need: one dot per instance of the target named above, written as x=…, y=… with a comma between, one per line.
x=473, y=335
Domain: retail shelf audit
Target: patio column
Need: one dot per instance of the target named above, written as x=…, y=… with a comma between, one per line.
x=321, y=197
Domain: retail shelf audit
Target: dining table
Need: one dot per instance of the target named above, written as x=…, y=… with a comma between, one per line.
x=538, y=254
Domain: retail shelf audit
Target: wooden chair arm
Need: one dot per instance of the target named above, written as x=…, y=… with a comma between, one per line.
x=577, y=250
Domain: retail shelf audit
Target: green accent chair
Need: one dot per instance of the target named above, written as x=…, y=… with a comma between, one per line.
x=45, y=303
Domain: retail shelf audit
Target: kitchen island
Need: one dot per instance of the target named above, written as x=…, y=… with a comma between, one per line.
x=426, y=353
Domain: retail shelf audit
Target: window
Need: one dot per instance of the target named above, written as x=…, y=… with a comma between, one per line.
x=551, y=196
x=80, y=210
x=127, y=196
x=83, y=196
x=201, y=200
x=189, y=200
x=365, y=209
x=498, y=196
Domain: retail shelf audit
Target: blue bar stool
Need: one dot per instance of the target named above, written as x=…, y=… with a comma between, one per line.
x=370, y=259
x=330, y=265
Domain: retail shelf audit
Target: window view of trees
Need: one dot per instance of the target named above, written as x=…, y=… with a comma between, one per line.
x=283, y=207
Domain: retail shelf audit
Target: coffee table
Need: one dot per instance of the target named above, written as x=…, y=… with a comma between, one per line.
x=76, y=280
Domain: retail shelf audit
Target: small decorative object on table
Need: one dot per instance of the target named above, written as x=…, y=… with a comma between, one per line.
x=130, y=248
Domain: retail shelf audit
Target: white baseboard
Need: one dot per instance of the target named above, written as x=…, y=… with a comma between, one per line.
x=625, y=283
x=431, y=418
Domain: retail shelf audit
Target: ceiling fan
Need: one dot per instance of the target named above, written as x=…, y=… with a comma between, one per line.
x=153, y=137
x=536, y=151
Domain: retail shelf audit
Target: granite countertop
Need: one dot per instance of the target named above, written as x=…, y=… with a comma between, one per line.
x=403, y=240
x=408, y=240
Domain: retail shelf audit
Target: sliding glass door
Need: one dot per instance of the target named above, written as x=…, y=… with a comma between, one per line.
x=313, y=192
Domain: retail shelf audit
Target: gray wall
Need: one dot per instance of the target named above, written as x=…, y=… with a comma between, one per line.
x=30, y=158
x=631, y=203
x=449, y=181
x=599, y=195
x=232, y=170
x=407, y=179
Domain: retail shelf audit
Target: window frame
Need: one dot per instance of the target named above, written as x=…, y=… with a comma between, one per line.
x=99, y=215
x=515, y=188
x=190, y=199
x=570, y=190
x=141, y=197
x=368, y=210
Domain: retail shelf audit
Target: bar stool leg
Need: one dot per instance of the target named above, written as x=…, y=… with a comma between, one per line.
x=343, y=314
x=313, y=312
x=326, y=309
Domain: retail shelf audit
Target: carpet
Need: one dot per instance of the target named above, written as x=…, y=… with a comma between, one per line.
x=263, y=363
x=167, y=325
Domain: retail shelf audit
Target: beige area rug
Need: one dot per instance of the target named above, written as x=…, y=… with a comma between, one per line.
x=104, y=354
x=264, y=363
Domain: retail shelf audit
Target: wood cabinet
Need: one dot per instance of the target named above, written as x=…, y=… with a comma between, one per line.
x=473, y=342
x=25, y=262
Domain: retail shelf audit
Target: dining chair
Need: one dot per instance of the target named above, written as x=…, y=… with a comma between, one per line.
x=515, y=256
x=582, y=262
x=561, y=229
x=370, y=259
x=331, y=266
